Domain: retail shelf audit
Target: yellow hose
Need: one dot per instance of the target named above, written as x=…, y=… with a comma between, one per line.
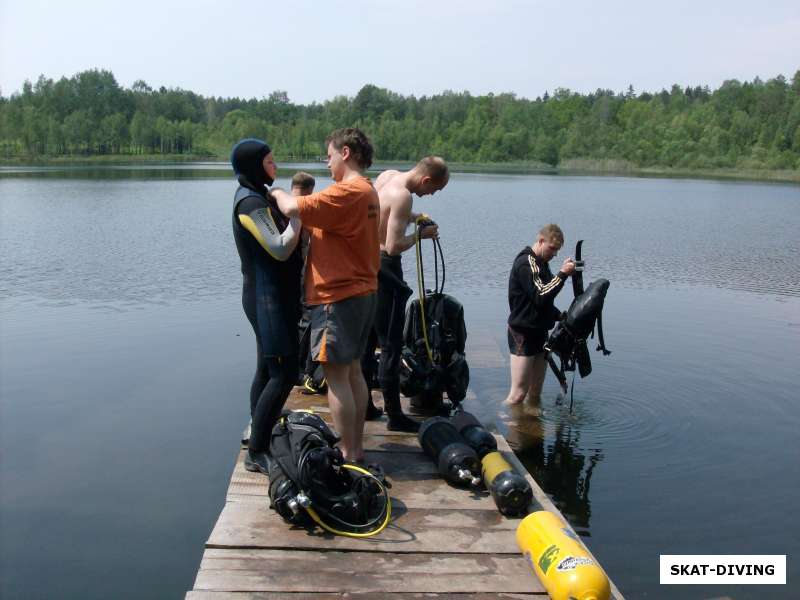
x=421, y=217
x=313, y=514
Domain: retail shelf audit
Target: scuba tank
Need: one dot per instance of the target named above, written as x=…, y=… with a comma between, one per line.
x=510, y=491
x=481, y=440
x=456, y=461
x=559, y=559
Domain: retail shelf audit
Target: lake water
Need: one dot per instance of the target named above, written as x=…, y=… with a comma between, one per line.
x=125, y=364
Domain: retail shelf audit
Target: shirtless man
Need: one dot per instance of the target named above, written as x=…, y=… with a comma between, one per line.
x=395, y=192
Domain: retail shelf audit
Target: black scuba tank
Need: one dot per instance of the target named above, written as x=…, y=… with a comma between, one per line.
x=511, y=492
x=456, y=460
x=481, y=440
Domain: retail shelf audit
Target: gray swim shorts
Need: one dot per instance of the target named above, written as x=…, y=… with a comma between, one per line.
x=339, y=330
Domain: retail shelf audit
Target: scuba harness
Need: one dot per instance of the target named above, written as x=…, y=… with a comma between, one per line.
x=568, y=338
x=309, y=482
x=434, y=335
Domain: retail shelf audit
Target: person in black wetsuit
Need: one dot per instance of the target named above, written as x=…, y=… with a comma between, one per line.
x=532, y=288
x=268, y=247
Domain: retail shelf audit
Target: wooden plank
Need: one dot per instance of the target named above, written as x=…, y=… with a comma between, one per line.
x=414, y=478
x=398, y=465
x=429, y=493
x=389, y=441
x=207, y=595
x=466, y=550
x=483, y=348
x=333, y=571
x=246, y=525
x=319, y=404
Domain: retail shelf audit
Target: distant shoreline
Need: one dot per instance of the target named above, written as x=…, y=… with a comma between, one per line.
x=577, y=167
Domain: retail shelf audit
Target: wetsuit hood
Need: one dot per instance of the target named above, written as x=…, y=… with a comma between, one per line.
x=247, y=159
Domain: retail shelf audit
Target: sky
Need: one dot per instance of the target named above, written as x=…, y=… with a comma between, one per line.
x=318, y=50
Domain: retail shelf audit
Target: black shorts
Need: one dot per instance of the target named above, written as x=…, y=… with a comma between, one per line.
x=526, y=342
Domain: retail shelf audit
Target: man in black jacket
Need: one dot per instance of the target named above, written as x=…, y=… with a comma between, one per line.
x=531, y=290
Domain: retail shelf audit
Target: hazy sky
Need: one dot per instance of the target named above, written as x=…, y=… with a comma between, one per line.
x=317, y=50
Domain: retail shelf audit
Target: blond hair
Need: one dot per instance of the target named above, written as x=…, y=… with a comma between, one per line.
x=552, y=233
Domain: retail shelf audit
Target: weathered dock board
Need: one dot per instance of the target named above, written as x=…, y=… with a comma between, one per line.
x=443, y=542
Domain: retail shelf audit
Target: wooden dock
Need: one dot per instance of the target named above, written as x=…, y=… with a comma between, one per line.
x=443, y=542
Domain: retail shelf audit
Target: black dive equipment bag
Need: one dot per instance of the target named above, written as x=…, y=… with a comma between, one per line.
x=434, y=338
x=568, y=338
x=309, y=481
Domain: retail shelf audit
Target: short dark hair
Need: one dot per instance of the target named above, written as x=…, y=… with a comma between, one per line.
x=358, y=142
x=434, y=167
x=303, y=180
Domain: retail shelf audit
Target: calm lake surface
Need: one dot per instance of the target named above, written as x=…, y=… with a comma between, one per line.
x=125, y=364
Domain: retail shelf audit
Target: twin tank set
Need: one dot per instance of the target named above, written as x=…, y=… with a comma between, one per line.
x=466, y=454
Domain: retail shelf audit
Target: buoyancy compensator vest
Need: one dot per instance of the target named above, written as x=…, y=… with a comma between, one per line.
x=568, y=338
x=309, y=481
x=434, y=337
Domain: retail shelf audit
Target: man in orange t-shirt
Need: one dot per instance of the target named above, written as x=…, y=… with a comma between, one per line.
x=342, y=277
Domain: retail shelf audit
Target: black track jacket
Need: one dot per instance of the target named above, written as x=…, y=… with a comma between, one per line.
x=531, y=291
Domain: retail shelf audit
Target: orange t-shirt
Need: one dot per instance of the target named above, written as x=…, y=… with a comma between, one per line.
x=344, y=251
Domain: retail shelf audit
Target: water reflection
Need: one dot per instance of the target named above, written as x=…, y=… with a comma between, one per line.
x=561, y=467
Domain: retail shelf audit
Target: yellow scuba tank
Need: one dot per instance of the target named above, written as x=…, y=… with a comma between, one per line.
x=560, y=560
x=511, y=493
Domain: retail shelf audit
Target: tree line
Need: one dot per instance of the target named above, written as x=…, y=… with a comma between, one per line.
x=752, y=124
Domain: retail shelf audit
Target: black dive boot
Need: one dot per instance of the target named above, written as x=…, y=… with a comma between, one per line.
x=397, y=420
x=391, y=402
x=400, y=422
x=373, y=412
x=257, y=462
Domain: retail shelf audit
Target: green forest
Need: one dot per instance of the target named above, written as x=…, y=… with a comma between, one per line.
x=741, y=125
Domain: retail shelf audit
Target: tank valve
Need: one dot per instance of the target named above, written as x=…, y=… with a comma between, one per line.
x=298, y=502
x=466, y=475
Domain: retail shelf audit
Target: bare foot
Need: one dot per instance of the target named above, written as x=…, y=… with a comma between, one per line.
x=509, y=402
x=532, y=410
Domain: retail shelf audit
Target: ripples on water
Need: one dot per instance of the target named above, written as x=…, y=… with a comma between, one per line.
x=674, y=439
x=150, y=241
x=639, y=233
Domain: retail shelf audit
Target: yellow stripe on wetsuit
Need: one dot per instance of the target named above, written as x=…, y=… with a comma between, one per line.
x=261, y=226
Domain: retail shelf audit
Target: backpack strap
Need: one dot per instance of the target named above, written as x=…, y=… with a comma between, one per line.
x=559, y=373
x=602, y=343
